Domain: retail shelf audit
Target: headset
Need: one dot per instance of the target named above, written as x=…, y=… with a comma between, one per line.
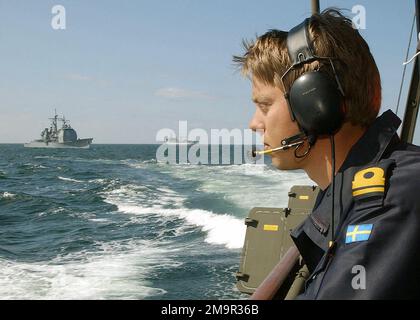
x=315, y=101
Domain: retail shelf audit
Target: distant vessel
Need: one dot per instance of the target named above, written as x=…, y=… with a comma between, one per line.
x=180, y=141
x=66, y=137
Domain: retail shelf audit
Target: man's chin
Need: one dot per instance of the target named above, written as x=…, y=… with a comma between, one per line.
x=283, y=165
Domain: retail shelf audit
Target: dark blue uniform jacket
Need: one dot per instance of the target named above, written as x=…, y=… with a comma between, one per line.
x=376, y=249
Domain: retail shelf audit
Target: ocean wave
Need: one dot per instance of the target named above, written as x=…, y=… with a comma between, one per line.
x=118, y=270
x=76, y=159
x=99, y=220
x=127, y=192
x=36, y=166
x=7, y=195
x=69, y=179
x=150, y=196
x=268, y=186
x=127, y=208
x=150, y=161
x=53, y=211
x=139, y=164
x=99, y=181
x=220, y=229
x=268, y=189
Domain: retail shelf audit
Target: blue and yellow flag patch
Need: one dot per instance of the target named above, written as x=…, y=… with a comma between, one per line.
x=357, y=233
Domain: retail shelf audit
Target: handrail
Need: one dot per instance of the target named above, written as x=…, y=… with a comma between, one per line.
x=272, y=283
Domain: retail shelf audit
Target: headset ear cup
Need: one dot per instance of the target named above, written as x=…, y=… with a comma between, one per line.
x=316, y=103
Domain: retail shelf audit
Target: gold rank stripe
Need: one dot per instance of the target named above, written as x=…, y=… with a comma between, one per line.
x=368, y=190
x=271, y=227
x=372, y=186
x=303, y=197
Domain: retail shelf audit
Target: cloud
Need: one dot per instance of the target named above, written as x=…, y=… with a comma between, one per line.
x=178, y=93
x=84, y=78
x=78, y=77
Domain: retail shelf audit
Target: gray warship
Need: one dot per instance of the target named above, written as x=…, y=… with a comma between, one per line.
x=65, y=137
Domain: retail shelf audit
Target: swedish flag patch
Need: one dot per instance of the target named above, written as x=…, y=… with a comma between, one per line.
x=357, y=233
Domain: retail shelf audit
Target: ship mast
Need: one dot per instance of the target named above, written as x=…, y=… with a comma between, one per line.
x=54, y=121
x=413, y=98
x=315, y=6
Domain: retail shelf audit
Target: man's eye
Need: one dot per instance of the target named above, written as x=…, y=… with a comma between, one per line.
x=264, y=107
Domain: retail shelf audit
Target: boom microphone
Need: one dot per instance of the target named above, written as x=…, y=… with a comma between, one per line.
x=282, y=148
x=287, y=143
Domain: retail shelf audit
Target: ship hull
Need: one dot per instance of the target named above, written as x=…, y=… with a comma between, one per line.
x=180, y=143
x=78, y=144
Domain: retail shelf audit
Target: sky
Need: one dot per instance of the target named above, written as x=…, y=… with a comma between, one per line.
x=122, y=70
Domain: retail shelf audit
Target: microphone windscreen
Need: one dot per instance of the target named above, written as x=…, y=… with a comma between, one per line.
x=252, y=155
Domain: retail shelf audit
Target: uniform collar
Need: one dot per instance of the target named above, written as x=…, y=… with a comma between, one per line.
x=372, y=145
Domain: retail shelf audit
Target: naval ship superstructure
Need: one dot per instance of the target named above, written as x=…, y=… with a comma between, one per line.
x=65, y=137
x=181, y=141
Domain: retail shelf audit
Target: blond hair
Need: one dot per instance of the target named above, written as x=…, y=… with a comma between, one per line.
x=332, y=35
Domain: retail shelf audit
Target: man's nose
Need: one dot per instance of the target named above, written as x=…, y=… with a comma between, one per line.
x=256, y=123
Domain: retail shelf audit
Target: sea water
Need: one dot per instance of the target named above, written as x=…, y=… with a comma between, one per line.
x=111, y=222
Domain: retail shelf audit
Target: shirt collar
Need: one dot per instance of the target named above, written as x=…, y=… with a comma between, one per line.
x=372, y=145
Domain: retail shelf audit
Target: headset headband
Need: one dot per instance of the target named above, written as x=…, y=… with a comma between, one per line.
x=298, y=44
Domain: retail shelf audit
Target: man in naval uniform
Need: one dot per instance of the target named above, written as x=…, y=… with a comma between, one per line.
x=361, y=241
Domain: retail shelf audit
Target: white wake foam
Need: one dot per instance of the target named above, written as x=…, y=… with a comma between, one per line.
x=34, y=166
x=116, y=271
x=69, y=179
x=220, y=229
x=247, y=185
x=7, y=195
